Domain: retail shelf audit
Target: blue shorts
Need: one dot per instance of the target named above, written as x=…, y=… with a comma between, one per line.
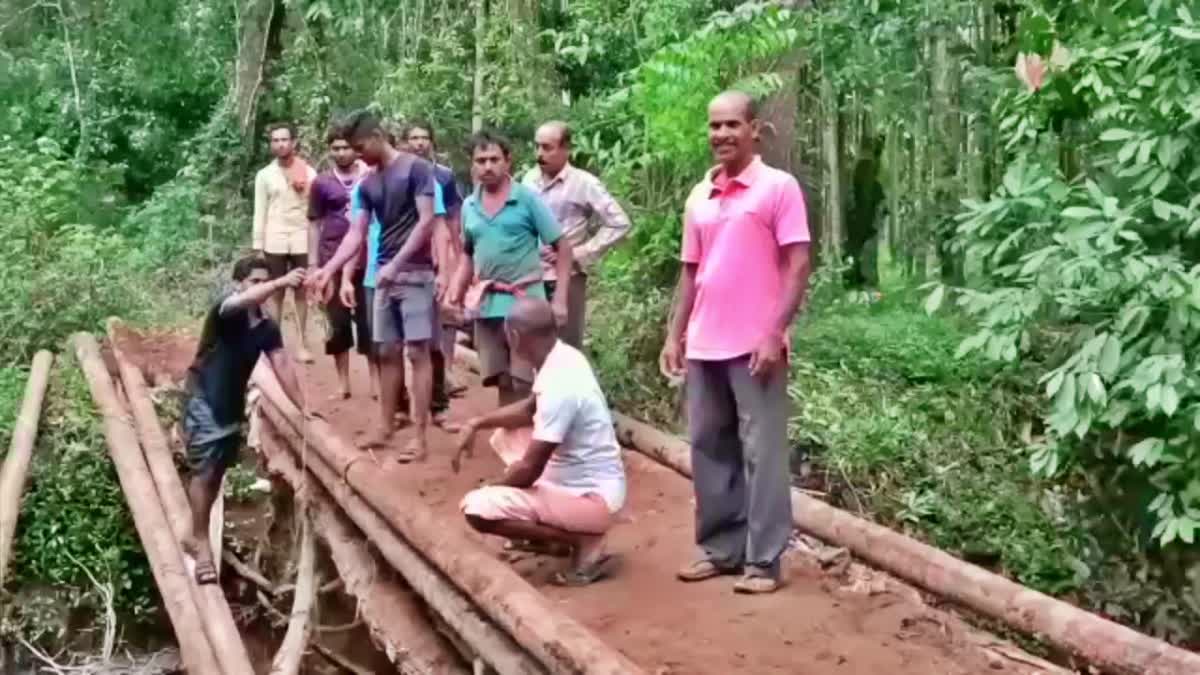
x=210, y=445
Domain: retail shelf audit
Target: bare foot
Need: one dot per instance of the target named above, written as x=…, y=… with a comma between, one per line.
x=415, y=451
x=341, y=395
x=588, y=550
x=402, y=420
x=304, y=356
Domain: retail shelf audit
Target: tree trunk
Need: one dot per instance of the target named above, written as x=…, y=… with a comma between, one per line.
x=257, y=18
x=20, y=453
x=834, y=208
x=481, y=11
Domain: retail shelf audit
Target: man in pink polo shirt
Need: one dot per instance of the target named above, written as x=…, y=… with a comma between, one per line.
x=745, y=273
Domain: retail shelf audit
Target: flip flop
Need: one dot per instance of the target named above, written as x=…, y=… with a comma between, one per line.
x=756, y=584
x=701, y=570
x=603, y=567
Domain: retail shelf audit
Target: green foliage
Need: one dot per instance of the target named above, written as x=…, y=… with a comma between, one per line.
x=74, y=515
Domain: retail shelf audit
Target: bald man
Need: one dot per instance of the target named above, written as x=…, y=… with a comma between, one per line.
x=745, y=273
x=565, y=479
x=592, y=221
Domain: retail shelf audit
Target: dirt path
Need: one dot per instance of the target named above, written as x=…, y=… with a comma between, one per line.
x=811, y=627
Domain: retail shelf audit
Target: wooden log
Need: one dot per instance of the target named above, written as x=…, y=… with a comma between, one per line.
x=215, y=615
x=20, y=453
x=1108, y=645
x=559, y=642
x=291, y=650
x=446, y=600
x=397, y=624
x=170, y=574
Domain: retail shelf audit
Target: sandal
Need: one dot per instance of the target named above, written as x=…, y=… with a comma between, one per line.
x=701, y=570
x=603, y=567
x=206, y=573
x=554, y=550
x=756, y=584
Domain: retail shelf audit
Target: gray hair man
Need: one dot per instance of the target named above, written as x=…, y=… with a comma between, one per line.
x=592, y=221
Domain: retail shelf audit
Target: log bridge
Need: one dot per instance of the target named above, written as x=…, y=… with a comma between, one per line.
x=436, y=601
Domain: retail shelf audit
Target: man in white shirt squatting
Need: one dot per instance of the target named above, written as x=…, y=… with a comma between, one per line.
x=564, y=487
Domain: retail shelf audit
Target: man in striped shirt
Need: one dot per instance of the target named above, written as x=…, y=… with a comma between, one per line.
x=592, y=221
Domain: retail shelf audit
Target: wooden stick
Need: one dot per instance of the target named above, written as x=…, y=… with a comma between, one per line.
x=339, y=660
x=1111, y=646
x=559, y=642
x=291, y=651
x=166, y=563
x=20, y=454
x=378, y=605
x=215, y=614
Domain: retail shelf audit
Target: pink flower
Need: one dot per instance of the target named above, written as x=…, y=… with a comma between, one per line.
x=1031, y=71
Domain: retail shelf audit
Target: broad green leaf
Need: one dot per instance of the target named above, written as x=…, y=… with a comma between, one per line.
x=1054, y=384
x=1154, y=396
x=1096, y=390
x=1186, y=33
x=1111, y=135
x=1162, y=210
x=1187, y=530
x=1170, y=400
x=1081, y=213
x=1161, y=183
x=934, y=301
x=1110, y=357
x=1140, y=452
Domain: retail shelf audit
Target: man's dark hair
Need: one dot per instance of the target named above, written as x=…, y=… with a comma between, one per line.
x=420, y=124
x=244, y=266
x=484, y=139
x=337, y=132
x=362, y=124
x=291, y=129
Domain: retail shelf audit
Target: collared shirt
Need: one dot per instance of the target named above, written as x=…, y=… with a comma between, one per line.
x=504, y=247
x=591, y=220
x=280, y=212
x=572, y=413
x=734, y=230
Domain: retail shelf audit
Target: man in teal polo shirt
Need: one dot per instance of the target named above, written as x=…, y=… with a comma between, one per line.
x=503, y=223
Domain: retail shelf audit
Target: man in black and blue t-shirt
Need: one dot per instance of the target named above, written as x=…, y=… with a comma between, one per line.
x=400, y=195
x=236, y=332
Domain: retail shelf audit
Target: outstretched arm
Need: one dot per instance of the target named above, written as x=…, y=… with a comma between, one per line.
x=281, y=363
x=258, y=294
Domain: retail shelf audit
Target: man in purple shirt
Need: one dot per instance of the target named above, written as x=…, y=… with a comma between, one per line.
x=329, y=211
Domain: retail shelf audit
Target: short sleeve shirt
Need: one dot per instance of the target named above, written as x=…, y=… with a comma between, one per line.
x=451, y=197
x=328, y=207
x=229, y=349
x=572, y=413
x=390, y=195
x=505, y=246
x=734, y=230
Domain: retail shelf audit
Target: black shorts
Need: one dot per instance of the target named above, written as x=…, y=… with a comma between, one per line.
x=279, y=264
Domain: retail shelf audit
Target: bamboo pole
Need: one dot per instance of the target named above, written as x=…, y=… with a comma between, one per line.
x=1111, y=646
x=295, y=639
x=451, y=604
x=560, y=643
x=20, y=454
x=214, y=610
x=397, y=624
x=166, y=563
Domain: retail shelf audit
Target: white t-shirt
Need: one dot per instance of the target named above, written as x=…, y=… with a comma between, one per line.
x=572, y=412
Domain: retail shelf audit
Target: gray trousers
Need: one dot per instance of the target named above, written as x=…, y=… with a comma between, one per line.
x=737, y=424
x=572, y=333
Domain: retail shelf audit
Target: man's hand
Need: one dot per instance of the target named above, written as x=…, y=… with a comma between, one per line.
x=466, y=443
x=294, y=278
x=670, y=360
x=386, y=276
x=769, y=356
x=319, y=281
x=549, y=255
x=346, y=294
x=559, y=305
